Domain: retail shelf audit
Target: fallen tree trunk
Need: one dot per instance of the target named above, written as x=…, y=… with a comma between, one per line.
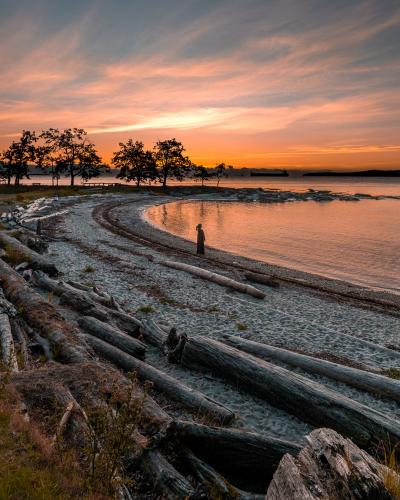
x=263, y=279
x=330, y=467
x=17, y=252
x=216, y=278
x=371, y=382
x=113, y=336
x=82, y=303
x=42, y=315
x=216, y=486
x=7, y=344
x=312, y=402
x=153, y=334
x=20, y=340
x=163, y=382
x=104, y=299
x=165, y=477
x=246, y=459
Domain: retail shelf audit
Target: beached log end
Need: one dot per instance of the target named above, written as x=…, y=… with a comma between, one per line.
x=330, y=467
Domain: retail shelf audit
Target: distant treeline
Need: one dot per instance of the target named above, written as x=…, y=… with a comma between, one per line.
x=69, y=152
x=361, y=173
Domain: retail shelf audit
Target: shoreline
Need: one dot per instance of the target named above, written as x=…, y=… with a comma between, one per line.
x=140, y=225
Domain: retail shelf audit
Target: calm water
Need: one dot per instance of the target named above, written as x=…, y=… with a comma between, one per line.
x=373, y=186
x=354, y=241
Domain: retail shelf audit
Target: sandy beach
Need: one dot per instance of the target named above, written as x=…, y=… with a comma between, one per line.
x=106, y=240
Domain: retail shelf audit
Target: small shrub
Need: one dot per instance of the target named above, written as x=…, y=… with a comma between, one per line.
x=146, y=309
x=112, y=426
x=89, y=269
x=241, y=326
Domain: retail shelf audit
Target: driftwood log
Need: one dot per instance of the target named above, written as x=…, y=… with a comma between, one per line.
x=214, y=484
x=263, y=279
x=153, y=334
x=163, y=382
x=15, y=249
x=330, y=467
x=83, y=303
x=42, y=315
x=246, y=459
x=102, y=298
x=7, y=344
x=165, y=477
x=216, y=278
x=310, y=401
x=20, y=341
x=113, y=336
x=371, y=382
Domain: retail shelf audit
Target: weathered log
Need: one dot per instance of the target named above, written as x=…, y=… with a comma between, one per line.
x=102, y=298
x=113, y=336
x=7, y=344
x=330, y=467
x=310, y=401
x=371, y=382
x=263, y=279
x=163, y=382
x=215, y=485
x=246, y=459
x=22, y=253
x=41, y=315
x=84, y=304
x=20, y=340
x=216, y=278
x=153, y=334
x=165, y=477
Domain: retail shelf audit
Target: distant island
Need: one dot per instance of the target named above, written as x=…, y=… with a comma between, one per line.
x=361, y=173
x=270, y=173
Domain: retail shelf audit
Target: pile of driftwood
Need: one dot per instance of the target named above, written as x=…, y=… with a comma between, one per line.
x=214, y=461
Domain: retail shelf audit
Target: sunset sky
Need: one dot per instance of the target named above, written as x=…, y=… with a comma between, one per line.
x=296, y=83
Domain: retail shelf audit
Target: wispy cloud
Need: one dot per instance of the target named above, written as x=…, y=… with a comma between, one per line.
x=295, y=77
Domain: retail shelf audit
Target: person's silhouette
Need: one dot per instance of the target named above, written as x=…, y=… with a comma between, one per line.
x=200, y=239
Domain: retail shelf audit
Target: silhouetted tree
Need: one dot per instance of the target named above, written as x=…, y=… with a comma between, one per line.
x=219, y=170
x=16, y=158
x=170, y=161
x=134, y=162
x=74, y=154
x=202, y=173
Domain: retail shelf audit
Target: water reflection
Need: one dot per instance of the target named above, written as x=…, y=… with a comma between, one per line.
x=358, y=242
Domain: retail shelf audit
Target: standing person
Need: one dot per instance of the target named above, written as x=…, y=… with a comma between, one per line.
x=200, y=239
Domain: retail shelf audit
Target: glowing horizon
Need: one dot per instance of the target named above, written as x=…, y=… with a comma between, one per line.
x=305, y=84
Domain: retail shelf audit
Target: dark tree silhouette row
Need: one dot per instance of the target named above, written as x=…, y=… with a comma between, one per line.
x=70, y=153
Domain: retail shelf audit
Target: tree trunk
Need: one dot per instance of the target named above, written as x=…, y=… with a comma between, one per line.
x=165, y=477
x=263, y=279
x=153, y=334
x=371, y=382
x=246, y=459
x=42, y=315
x=21, y=253
x=330, y=467
x=83, y=303
x=310, y=401
x=216, y=278
x=7, y=344
x=163, y=382
x=113, y=336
